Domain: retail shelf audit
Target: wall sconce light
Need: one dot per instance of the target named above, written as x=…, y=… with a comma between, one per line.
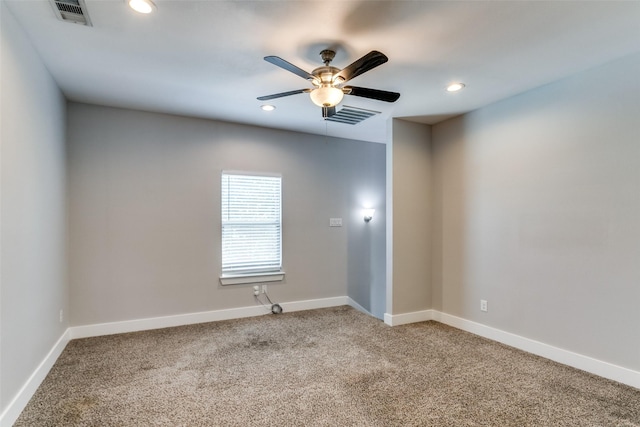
x=368, y=214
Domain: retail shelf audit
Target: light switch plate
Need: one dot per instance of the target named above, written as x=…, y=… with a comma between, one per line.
x=335, y=222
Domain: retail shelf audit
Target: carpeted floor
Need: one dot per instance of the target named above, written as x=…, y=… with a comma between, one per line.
x=329, y=367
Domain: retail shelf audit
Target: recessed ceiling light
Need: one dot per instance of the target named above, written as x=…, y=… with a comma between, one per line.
x=142, y=6
x=268, y=107
x=454, y=87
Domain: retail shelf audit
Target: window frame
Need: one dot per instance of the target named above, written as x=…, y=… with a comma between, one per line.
x=240, y=277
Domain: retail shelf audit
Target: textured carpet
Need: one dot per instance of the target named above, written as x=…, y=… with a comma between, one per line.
x=329, y=367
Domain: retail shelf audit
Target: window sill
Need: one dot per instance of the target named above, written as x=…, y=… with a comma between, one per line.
x=239, y=279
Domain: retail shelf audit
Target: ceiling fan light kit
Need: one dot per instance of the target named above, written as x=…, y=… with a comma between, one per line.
x=328, y=81
x=326, y=96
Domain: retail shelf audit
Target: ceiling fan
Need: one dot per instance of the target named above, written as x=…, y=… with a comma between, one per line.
x=328, y=81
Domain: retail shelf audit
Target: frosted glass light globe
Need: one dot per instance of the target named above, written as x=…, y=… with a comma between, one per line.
x=326, y=96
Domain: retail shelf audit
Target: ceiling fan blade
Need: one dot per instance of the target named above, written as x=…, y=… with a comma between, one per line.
x=328, y=112
x=281, y=94
x=380, y=95
x=276, y=60
x=362, y=65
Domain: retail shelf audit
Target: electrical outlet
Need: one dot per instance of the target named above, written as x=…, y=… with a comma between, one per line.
x=264, y=289
x=61, y=317
x=484, y=305
x=256, y=290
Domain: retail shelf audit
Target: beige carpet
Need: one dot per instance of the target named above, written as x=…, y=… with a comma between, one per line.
x=329, y=367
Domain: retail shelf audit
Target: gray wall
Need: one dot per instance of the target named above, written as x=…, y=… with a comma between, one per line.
x=144, y=210
x=366, y=241
x=33, y=283
x=410, y=155
x=538, y=212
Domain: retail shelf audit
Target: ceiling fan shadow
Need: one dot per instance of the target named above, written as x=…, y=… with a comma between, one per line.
x=368, y=16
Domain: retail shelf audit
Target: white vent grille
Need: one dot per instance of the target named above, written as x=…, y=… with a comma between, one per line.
x=351, y=115
x=74, y=11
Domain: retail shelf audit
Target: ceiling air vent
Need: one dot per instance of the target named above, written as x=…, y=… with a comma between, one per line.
x=71, y=11
x=352, y=115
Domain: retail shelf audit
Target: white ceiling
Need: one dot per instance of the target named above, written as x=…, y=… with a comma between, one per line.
x=204, y=58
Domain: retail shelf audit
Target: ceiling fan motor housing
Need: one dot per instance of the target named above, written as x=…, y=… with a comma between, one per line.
x=324, y=75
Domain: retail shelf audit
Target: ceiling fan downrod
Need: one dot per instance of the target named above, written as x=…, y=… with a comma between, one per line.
x=327, y=56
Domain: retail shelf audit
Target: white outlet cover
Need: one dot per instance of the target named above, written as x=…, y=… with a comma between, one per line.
x=335, y=222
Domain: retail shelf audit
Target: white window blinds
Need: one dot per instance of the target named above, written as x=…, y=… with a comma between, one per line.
x=251, y=223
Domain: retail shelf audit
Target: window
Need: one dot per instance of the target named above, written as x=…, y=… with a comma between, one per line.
x=251, y=226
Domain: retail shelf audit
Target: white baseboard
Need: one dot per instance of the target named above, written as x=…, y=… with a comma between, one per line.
x=566, y=357
x=193, y=318
x=358, y=307
x=315, y=303
x=125, y=326
x=404, y=318
x=15, y=407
